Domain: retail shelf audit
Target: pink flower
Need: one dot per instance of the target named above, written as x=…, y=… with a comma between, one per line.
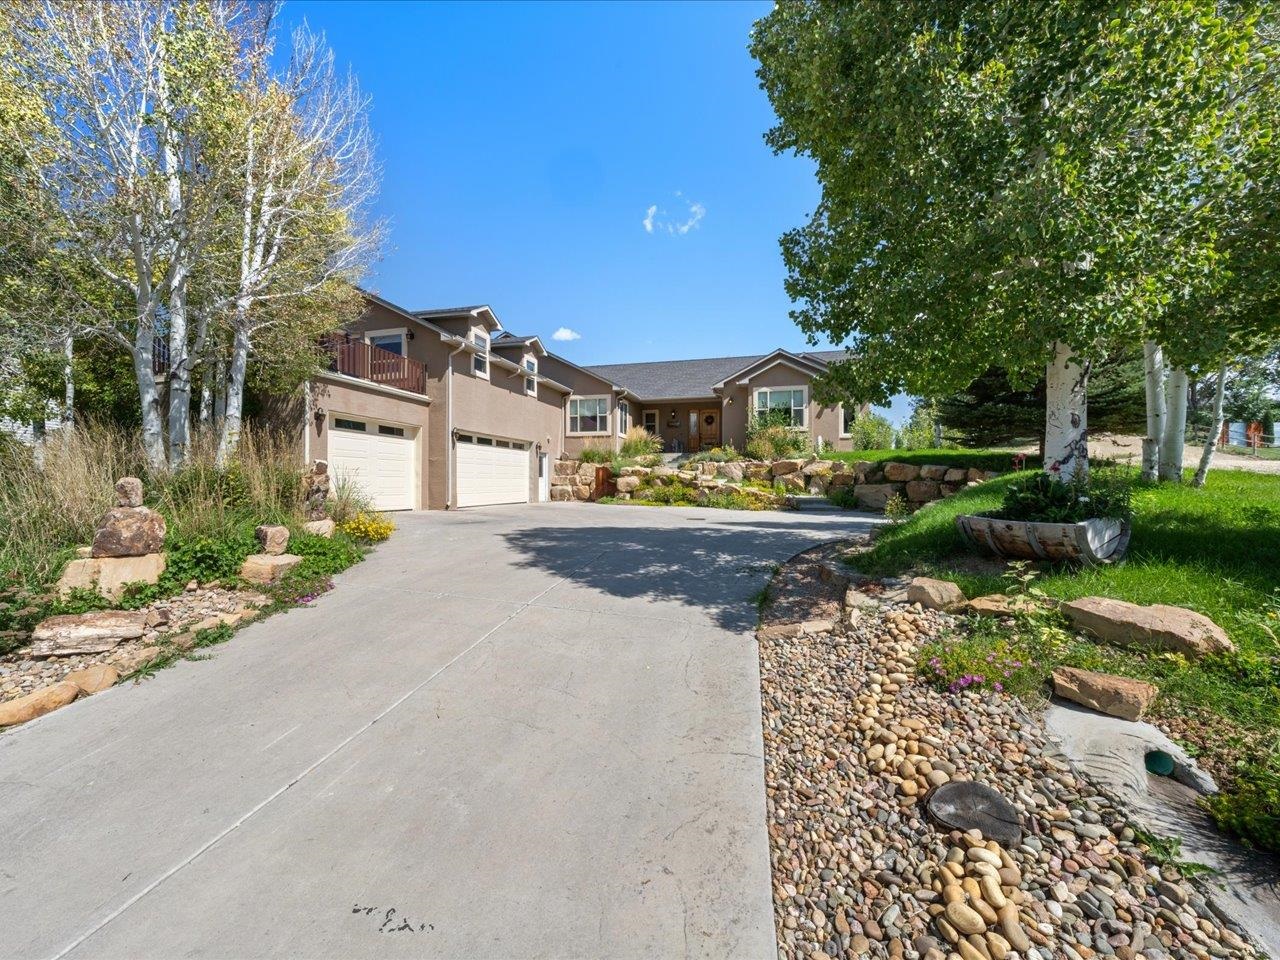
x=998, y=687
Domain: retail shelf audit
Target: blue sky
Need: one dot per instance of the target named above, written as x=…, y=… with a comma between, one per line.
x=525, y=147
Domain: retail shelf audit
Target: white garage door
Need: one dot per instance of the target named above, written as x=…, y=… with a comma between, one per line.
x=491, y=470
x=377, y=457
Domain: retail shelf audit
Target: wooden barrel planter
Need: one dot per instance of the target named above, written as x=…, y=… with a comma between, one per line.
x=1090, y=542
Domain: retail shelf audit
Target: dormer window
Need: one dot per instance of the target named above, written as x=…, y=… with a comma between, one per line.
x=480, y=359
x=531, y=381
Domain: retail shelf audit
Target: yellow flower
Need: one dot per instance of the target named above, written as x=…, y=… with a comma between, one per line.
x=372, y=528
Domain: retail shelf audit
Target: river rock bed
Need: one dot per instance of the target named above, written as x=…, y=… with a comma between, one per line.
x=170, y=622
x=853, y=745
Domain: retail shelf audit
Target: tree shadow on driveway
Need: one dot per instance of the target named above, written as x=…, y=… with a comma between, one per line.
x=707, y=569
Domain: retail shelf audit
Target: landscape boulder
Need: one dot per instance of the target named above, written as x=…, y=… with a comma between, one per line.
x=874, y=496
x=561, y=494
x=933, y=471
x=93, y=632
x=273, y=537
x=128, y=532
x=817, y=468
x=628, y=484
x=792, y=482
x=842, y=479
x=94, y=679
x=320, y=528
x=36, y=704
x=900, y=472
x=1161, y=626
x=999, y=605
x=315, y=489
x=956, y=475
x=758, y=470
x=922, y=491
x=110, y=575
x=564, y=468
x=268, y=568
x=732, y=470
x=934, y=594
x=1115, y=696
x=128, y=492
x=781, y=468
x=635, y=471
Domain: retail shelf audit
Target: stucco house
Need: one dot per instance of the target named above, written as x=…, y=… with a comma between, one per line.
x=434, y=409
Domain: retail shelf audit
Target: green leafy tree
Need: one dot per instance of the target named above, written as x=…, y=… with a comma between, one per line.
x=1012, y=185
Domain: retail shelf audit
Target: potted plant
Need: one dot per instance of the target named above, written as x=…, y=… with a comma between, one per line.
x=1043, y=518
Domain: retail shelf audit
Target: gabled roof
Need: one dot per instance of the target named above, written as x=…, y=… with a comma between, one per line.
x=481, y=311
x=509, y=341
x=694, y=379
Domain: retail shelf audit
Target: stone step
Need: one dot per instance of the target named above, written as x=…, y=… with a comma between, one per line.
x=812, y=504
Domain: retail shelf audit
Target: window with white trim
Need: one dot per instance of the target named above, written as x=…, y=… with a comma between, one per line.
x=624, y=416
x=480, y=359
x=390, y=340
x=531, y=381
x=588, y=414
x=848, y=416
x=789, y=402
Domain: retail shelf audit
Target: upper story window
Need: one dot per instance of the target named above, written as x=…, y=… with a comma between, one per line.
x=848, y=415
x=624, y=416
x=531, y=381
x=588, y=414
x=480, y=359
x=788, y=403
x=392, y=342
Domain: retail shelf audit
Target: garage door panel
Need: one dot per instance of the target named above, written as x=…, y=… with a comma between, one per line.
x=490, y=474
x=380, y=465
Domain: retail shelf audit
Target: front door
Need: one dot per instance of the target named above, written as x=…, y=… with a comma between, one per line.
x=708, y=429
x=544, y=478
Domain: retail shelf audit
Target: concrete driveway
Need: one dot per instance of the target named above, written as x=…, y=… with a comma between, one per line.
x=522, y=731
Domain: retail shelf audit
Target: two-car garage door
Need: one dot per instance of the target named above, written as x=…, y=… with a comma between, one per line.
x=377, y=457
x=491, y=470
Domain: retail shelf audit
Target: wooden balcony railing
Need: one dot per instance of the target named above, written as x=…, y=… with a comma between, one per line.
x=355, y=358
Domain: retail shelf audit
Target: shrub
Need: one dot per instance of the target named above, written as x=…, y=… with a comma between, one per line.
x=346, y=500
x=896, y=509
x=770, y=436
x=870, y=431
x=369, y=527
x=1044, y=498
x=843, y=497
x=725, y=454
x=595, y=454
x=639, y=442
x=1251, y=810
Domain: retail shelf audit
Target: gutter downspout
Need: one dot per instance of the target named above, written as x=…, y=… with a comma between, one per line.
x=448, y=438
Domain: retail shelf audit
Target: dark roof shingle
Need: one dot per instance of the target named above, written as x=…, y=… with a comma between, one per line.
x=679, y=379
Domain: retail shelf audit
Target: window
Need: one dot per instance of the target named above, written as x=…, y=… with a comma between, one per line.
x=848, y=416
x=484, y=441
x=390, y=431
x=531, y=382
x=505, y=443
x=650, y=420
x=342, y=424
x=480, y=360
x=788, y=401
x=391, y=341
x=519, y=446
x=466, y=438
x=588, y=414
x=624, y=415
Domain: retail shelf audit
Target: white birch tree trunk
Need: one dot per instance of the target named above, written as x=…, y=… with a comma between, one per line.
x=179, y=377
x=206, y=402
x=1066, y=430
x=220, y=391
x=1153, y=367
x=149, y=399
x=1206, y=458
x=68, y=383
x=1173, y=442
x=229, y=439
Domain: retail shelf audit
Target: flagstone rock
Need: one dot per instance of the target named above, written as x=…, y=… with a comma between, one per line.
x=37, y=704
x=784, y=467
x=110, y=575
x=1121, y=697
x=92, y=632
x=94, y=679
x=1161, y=626
x=268, y=568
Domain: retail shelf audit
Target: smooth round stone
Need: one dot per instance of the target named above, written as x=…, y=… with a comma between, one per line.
x=967, y=805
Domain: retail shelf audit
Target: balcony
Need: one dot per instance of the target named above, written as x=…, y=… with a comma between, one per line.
x=355, y=358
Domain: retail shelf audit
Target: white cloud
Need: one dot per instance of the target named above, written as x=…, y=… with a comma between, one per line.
x=659, y=219
x=648, y=218
x=564, y=333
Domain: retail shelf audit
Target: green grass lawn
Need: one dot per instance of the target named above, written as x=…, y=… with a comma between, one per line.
x=992, y=459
